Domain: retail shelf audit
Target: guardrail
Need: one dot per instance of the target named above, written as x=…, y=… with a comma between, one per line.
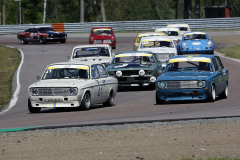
x=209, y=23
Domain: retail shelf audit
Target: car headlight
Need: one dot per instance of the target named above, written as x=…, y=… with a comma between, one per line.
x=73, y=91
x=33, y=91
x=201, y=84
x=119, y=73
x=162, y=85
x=209, y=43
x=184, y=45
x=141, y=72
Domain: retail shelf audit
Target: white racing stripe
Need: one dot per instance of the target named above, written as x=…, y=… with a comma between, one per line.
x=15, y=95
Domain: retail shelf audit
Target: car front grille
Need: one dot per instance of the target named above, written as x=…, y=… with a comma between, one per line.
x=53, y=92
x=181, y=84
x=135, y=72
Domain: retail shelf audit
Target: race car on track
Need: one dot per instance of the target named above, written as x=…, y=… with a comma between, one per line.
x=41, y=34
x=102, y=35
x=183, y=28
x=163, y=47
x=100, y=53
x=72, y=84
x=145, y=34
x=135, y=68
x=195, y=43
x=192, y=77
x=172, y=33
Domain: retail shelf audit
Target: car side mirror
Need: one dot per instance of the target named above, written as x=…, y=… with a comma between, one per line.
x=38, y=77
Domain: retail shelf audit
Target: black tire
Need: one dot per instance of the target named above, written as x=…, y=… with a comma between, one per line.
x=23, y=40
x=86, y=101
x=63, y=41
x=212, y=94
x=110, y=99
x=42, y=40
x=224, y=94
x=33, y=109
x=152, y=86
x=158, y=100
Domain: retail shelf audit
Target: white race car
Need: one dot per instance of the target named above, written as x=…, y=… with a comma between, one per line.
x=173, y=33
x=99, y=53
x=182, y=27
x=163, y=47
x=72, y=84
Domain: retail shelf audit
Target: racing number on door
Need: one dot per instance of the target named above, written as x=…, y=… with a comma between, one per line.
x=99, y=95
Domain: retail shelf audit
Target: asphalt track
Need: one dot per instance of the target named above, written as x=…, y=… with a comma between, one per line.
x=131, y=104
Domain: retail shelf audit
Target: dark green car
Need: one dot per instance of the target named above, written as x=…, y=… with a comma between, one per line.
x=135, y=68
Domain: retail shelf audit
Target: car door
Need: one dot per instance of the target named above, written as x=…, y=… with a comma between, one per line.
x=103, y=81
x=97, y=86
x=218, y=76
x=223, y=76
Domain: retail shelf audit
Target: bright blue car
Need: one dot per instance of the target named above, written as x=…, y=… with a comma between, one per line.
x=195, y=43
x=192, y=77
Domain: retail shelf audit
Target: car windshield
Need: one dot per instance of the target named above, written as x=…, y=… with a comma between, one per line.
x=133, y=59
x=91, y=52
x=188, y=66
x=183, y=28
x=66, y=73
x=45, y=29
x=157, y=44
x=102, y=31
x=172, y=33
x=194, y=36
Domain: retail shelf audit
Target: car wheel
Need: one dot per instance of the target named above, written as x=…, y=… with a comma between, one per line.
x=24, y=41
x=110, y=99
x=42, y=40
x=158, y=100
x=63, y=41
x=224, y=94
x=212, y=95
x=33, y=109
x=86, y=101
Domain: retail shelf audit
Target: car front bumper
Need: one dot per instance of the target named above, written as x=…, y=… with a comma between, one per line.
x=182, y=94
x=136, y=81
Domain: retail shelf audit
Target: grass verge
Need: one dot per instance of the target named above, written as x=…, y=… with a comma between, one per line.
x=9, y=61
x=233, y=52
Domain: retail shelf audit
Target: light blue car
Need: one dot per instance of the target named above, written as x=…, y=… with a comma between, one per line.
x=192, y=77
x=195, y=43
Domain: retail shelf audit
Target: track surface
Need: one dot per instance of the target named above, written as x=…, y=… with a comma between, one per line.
x=134, y=104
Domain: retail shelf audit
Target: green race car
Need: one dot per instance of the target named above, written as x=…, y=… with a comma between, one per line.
x=135, y=68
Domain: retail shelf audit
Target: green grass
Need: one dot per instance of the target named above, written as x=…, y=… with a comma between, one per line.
x=9, y=61
x=210, y=159
x=233, y=52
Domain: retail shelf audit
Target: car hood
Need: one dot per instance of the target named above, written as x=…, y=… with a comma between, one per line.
x=53, y=32
x=160, y=50
x=196, y=43
x=100, y=59
x=196, y=75
x=103, y=36
x=60, y=83
x=130, y=66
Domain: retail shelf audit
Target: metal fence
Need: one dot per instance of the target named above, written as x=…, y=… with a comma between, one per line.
x=208, y=23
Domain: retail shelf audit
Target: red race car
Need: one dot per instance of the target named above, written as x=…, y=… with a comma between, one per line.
x=103, y=35
x=41, y=34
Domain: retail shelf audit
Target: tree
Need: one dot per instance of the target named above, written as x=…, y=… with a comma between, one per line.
x=4, y=12
x=176, y=9
x=103, y=11
x=197, y=8
x=187, y=9
x=81, y=10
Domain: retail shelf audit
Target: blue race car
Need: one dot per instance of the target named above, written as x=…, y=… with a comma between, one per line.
x=195, y=43
x=192, y=77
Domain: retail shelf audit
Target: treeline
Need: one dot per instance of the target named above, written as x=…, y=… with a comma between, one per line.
x=74, y=11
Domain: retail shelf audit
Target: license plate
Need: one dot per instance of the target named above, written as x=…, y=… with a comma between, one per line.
x=53, y=100
x=107, y=41
x=97, y=41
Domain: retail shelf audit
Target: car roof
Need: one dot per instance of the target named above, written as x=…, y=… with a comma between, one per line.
x=167, y=29
x=75, y=62
x=194, y=56
x=91, y=45
x=41, y=27
x=156, y=38
x=195, y=32
x=178, y=25
x=101, y=28
x=134, y=52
